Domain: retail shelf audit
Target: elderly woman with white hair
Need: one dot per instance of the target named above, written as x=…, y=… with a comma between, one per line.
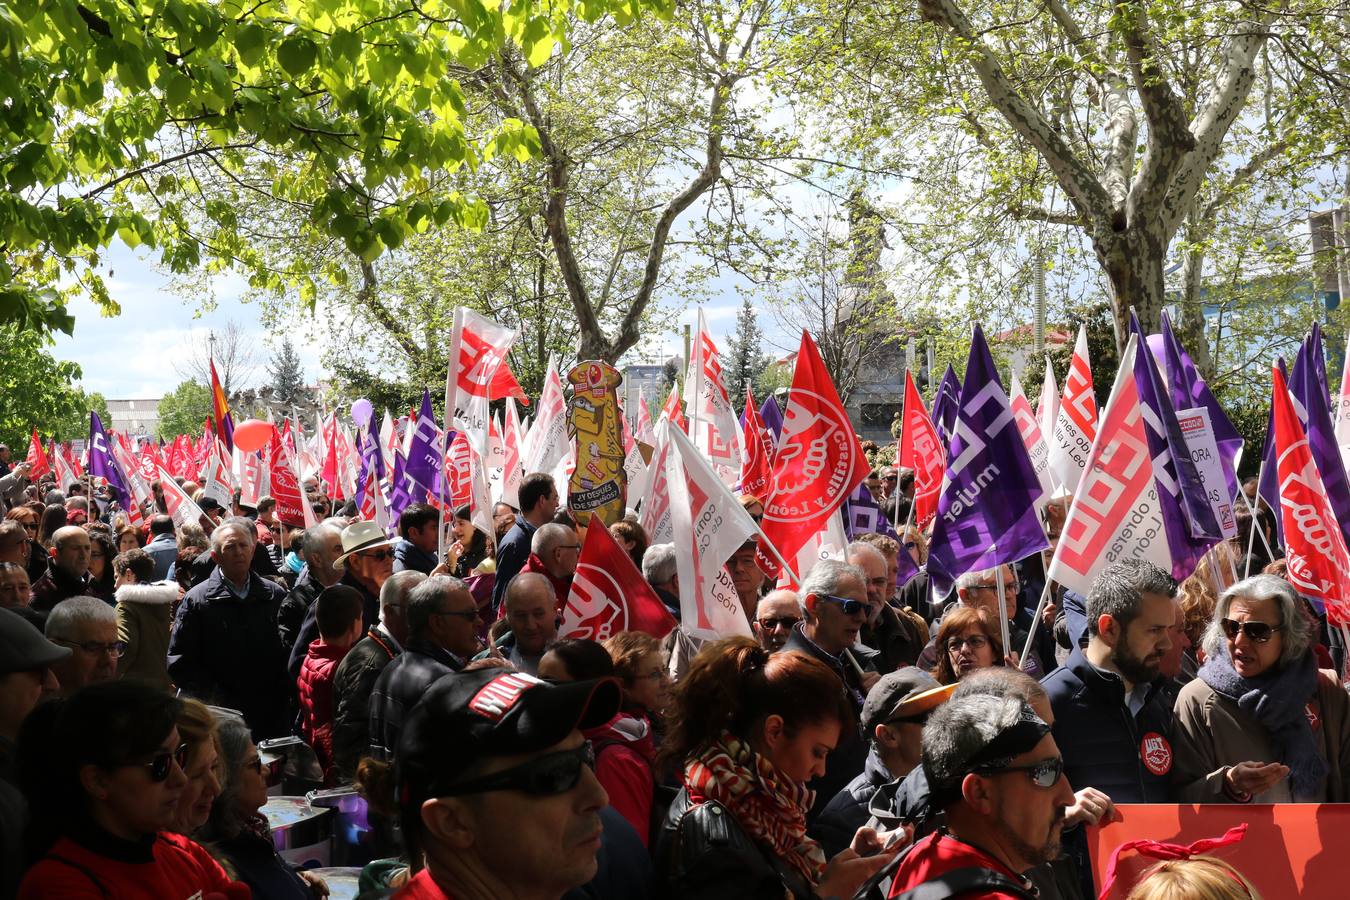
x=1261, y=723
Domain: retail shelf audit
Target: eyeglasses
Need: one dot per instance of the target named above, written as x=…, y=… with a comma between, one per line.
x=161, y=763
x=850, y=607
x=256, y=764
x=785, y=622
x=1259, y=632
x=1010, y=586
x=546, y=776
x=1043, y=774
x=93, y=648
x=377, y=555
x=974, y=642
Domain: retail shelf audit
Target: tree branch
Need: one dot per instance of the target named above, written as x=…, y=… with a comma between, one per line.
x=1169, y=136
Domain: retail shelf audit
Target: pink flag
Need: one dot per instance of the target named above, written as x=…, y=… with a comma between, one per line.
x=512, y=473
x=547, y=443
x=713, y=425
x=181, y=507
x=655, y=515
x=645, y=432
x=1030, y=430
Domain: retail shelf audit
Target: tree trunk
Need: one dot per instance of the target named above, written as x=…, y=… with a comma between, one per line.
x=1133, y=261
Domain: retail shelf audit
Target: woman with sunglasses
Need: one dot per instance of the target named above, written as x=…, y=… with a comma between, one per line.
x=237, y=833
x=1261, y=723
x=966, y=643
x=748, y=731
x=103, y=771
x=28, y=515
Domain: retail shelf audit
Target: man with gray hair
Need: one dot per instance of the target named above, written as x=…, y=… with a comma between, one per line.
x=443, y=623
x=1112, y=718
x=662, y=573
x=88, y=626
x=555, y=550
x=833, y=600
x=359, y=670
x=225, y=650
x=993, y=767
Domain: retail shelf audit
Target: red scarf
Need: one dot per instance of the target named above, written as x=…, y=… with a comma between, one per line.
x=766, y=803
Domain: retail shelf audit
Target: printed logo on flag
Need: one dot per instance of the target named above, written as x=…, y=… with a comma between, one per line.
x=478, y=358
x=594, y=611
x=829, y=460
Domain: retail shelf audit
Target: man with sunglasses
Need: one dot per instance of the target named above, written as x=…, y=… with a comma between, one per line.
x=994, y=769
x=775, y=617
x=892, y=721
x=834, y=603
x=1112, y=718
x=224, y=649
x=496, y=786
x=443, y=624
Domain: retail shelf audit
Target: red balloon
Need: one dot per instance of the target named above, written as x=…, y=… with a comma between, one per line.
x=252, y=435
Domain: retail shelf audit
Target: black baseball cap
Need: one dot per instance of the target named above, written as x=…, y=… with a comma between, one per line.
x=467, y=716
x=23, y=648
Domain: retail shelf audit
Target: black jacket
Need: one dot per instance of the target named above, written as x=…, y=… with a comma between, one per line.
x=849, y=756
x=895, y=638
x=255, y=861
x=291, y=615
x=398, y=689
x=848, y=810
x=225, y=651
x=353, y=682
x=309, y=628
x=702, y=853
x=1100, y=740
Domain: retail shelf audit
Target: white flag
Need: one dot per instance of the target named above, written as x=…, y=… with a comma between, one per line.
x=512, y=473
x=709, y=524
x=477, y=347
x=547, y=442
x=1047, y=406
x=1076, y=423
x=655, y=515
x=1030, y=430
x=181, y=507
x=712, y=421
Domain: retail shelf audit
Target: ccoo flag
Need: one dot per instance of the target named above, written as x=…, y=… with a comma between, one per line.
x=1318, y=560
x=755, y=470
x=610, y=595
x=1030, y=429
x=712, y=420
x=922, y=450
x=1306, y=388
x=1115, y=514
x=986, y=515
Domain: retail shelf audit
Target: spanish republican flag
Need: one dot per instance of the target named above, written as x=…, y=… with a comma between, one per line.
x=220, y=410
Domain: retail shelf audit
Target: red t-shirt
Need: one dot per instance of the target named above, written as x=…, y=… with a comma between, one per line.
x=177, y=869
x=422, y=887
x=940, y=853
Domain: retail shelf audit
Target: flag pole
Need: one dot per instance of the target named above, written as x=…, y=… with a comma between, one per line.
x=1002, y=607
x=1252, y=506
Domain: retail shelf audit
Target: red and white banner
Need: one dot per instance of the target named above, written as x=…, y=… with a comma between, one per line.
x=713, y=425
x=708, y=524
x=1076, y=424
x=180, y=506
x=1115, y=513
x=921, y=450
x=755, y=471
x=292, y=504
x=458, y=476
x=37, y=459
x=547, y=443
x=216, y=477
x=65, y=472
x=646, y=430
x=1341, y=410
x=139, y=487
x=478, y=346
x=610, y=595
x=655, y=514
x=673, y=413
x=1314, y=546
x=1030, y=430
x=512, y=473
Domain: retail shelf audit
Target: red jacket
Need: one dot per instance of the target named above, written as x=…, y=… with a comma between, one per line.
x=561, y=586
x=940, y=853
x=172, y=868
x=422, y=887
x=315, y=687
x=624, y=754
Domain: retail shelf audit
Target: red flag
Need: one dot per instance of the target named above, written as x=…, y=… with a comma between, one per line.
x=180, y=506
x=1313, y=543
x=504, y=384
x=610, y=595
x=72, y=461
x=755, y=471
x=818, y=464
x=37, y=459
x=457, y=470
x=285, y=487
x=149, y=462
x=673, y=413
x=331, y=470
x=921, y=450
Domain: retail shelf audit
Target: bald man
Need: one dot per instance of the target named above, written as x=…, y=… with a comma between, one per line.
x=68, y=575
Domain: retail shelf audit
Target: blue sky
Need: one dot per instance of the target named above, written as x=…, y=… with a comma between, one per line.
x=132, y=356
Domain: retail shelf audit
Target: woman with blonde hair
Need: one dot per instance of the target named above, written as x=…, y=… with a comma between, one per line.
x=1196, y=878
x=197, y=731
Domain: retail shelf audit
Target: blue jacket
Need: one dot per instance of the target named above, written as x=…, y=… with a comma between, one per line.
x=408, y=557
x=164, y=551
x=512, y=555
x=225, y=651
x=1103, y=745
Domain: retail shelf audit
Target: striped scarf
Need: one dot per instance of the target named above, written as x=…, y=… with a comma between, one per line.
x=770, y=806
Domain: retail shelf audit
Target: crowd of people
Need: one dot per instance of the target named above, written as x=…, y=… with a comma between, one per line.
x=870, y=739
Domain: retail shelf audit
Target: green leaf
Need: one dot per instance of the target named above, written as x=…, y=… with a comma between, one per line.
x=296, y=55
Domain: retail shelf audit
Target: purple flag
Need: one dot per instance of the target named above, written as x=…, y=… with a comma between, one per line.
x=103, y=464
x=1189, y=390
x=945, y=405
x=1188, y=519
x=371, y=455
x=863, y=516
x=1309, y=393
x=405, y=490
x=773, y=418
x=986, y=515
x=425, y=461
